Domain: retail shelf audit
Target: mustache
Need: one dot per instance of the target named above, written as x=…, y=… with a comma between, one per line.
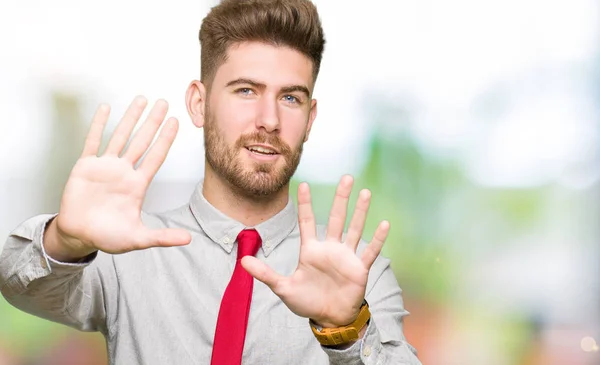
x=264, y=138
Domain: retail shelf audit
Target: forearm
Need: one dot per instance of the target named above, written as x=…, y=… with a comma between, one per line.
x=34, y=283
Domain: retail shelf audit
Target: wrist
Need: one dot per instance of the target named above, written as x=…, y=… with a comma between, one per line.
x=338, y=322
x=61, y=248
x=327, y=324
x=345, y=335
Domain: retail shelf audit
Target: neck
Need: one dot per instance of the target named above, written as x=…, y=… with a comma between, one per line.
x=246, y=210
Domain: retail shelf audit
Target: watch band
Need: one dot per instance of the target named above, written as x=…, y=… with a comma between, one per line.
x=344, y=334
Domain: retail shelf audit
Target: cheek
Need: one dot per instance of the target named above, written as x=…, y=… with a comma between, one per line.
x=294, y=126
x=233, y=119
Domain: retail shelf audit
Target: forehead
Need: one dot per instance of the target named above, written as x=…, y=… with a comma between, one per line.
x=272, y=65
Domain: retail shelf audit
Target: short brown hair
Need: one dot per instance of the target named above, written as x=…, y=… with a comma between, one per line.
x=291, y=23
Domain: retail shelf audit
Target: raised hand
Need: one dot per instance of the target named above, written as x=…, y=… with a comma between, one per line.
x=329, y=283
x=101, y=205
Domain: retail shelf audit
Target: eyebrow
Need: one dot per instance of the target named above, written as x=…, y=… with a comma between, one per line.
x=292, y=88
x=259, y=85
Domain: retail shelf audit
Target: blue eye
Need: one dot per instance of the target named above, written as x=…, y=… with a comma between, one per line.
x=291, y=99
x=244, y=91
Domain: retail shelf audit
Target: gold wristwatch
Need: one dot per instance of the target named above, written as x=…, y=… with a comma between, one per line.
x=344, y=334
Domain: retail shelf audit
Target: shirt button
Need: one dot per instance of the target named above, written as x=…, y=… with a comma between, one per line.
x=226, y=240
x=43, y=263
x=367, y=351
x=268, y=244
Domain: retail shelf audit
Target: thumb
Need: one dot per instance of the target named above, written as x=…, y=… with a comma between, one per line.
x=262, y=272
x=166, y=237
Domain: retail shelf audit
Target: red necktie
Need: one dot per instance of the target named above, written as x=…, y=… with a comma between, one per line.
x=235, y=306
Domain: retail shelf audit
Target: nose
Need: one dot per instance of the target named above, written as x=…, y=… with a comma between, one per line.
x=268, y=115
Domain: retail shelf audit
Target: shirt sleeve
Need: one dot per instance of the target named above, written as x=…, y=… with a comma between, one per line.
x=73, y=294
x=383, y=342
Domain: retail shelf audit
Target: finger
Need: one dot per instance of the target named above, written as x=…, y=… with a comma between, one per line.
x=143, y=138
x=306, y=216
x=159, y=150
x=166, y=237
x=374, y=248
x=125, y=127
x=357, y=224
x=337, y=216
x=262, y=272
x=94, y=136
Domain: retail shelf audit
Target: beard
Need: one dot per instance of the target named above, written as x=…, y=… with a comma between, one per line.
x=255, y=180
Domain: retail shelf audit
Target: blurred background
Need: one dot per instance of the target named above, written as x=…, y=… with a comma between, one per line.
x=476, y=124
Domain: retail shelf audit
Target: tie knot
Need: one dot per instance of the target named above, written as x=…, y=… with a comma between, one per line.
x=248, y=243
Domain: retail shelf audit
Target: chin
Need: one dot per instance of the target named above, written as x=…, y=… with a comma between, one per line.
x=261, y=184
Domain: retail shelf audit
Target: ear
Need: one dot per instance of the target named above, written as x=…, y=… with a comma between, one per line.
x=311, y=117
x=195, y=101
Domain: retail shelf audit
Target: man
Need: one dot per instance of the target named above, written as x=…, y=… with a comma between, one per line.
x=178, y=287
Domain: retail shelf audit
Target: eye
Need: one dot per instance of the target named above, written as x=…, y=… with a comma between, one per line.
x=244, y=91
x=291, y=99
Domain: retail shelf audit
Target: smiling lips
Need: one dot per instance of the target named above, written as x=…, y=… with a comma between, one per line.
x=263, y=150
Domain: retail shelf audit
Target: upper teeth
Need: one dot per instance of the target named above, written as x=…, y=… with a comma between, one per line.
x=261, y=149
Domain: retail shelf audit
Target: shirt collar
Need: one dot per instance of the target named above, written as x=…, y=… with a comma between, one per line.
x=224, y=230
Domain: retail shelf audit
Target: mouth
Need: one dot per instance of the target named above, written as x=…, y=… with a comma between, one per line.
x=263, y=150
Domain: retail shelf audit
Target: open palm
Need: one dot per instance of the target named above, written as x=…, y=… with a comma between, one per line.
x=329, y=283
x=102, y=201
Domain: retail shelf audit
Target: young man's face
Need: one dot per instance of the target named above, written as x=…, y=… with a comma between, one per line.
x=257, y=116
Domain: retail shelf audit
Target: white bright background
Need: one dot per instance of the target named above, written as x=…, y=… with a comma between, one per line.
x=445, y=54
